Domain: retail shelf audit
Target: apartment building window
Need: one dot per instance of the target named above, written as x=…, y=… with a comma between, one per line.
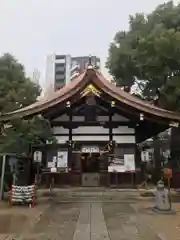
x=60, y=64
x=59, y=83
x=59, y=71
x=60, y=68
x=60, y=57
x=63, y=61
x=60, y=77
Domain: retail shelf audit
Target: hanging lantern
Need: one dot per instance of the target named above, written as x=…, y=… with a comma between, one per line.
x=141, y=116
x=112, y=104
x=68, y=104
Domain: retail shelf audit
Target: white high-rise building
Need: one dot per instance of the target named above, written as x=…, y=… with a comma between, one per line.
x=61, y=69
x=57, y=71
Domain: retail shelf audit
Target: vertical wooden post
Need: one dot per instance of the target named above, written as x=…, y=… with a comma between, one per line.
x=70, y=141
x=110, y=125
x=2, y=177
x=111, y=139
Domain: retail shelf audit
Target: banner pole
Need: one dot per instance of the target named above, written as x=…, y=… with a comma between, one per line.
x=2, y=177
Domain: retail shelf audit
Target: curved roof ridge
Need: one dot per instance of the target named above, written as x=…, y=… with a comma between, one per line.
x=77, y=84
x=129, y=97
x=54, y=96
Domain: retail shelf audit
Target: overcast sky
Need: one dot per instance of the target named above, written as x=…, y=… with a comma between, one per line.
x=31, y=29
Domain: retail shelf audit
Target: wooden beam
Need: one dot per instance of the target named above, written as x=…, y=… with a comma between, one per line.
x=79, y=144
x=94, y=134
x=121, y=110
x=80, y=110
x=105, y=124
x=134, y=114
x=60, y=109
x=102, y=103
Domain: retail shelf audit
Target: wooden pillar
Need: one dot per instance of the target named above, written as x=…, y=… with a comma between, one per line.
x=70, y=143
x=111, y=111
x=110, y=125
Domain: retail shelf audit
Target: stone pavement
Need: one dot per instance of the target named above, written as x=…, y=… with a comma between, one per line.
x=89, y=215
x=91, y=224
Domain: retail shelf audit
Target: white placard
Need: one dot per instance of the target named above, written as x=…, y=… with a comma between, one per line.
x=51, y=165
x=90, y=149
x=144, y=156
x=62, y=159
x=116, y=169
x=53, y=170
x=22, y=194
x=37, y=156
x=54, y=159
x=116, y=165
x=129, y=162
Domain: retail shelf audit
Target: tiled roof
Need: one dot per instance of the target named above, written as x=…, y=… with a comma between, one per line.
x=78, y=84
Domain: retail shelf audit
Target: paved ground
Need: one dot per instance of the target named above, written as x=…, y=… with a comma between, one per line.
x=89, y=215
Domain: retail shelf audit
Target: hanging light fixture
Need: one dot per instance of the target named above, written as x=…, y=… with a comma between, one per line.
x=68, y=104
x=112, y=103
x=141, y=117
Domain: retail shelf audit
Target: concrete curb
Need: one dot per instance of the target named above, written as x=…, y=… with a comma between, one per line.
x=93, y=190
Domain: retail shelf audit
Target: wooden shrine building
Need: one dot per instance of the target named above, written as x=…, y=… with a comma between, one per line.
x=97, y=126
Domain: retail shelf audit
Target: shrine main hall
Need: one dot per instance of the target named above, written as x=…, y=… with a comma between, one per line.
x=97, y=127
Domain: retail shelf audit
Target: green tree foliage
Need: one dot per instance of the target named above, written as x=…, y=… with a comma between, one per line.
x=148, y=54
x=17, y=91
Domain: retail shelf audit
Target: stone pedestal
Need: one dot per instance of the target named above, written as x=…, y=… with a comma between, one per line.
x=162, y=199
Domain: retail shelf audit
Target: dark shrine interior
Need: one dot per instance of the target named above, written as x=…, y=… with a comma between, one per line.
x=90, y=162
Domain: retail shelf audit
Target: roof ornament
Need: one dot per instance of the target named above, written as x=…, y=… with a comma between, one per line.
x=90, y=66
x=90, y=89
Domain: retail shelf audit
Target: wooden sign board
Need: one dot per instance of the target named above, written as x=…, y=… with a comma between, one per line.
x=90, y=149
